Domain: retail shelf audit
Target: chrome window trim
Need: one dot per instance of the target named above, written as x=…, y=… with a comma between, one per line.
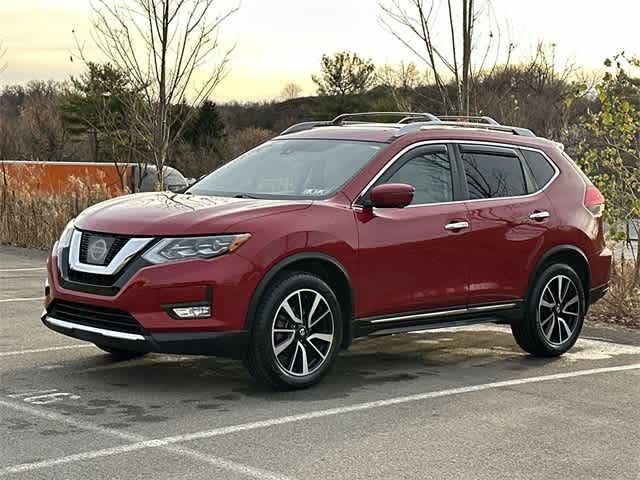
x=133, y=246
x=445, y=313
x=86, y=328
x=408, y=148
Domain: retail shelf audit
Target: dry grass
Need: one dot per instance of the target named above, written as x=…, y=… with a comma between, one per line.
x=621, y=305
x=29, y=218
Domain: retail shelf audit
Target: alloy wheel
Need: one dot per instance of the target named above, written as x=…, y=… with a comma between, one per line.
x=559, y=309
x=302, y=332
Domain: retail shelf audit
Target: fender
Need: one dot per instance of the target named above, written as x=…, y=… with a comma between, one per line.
x=284, y=263
x=554, y=251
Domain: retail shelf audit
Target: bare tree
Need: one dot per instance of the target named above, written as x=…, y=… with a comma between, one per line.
x=291, y=91
x=164, y=46
x=401, y=81
x=464, y=53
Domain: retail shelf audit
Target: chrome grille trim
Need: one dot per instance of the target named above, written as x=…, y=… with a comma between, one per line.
x=133, y=246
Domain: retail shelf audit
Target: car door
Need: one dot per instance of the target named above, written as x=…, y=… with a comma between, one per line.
x=413, y=258
x=509, y=217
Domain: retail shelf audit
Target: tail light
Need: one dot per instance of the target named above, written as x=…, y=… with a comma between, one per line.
x=593, y=200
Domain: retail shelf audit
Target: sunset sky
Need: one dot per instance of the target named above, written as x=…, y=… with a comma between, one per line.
x=278, y=41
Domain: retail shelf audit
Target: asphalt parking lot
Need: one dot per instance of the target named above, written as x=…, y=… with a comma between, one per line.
x=458, y=403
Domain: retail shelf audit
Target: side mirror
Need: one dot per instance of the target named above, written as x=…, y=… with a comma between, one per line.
x=391, y=195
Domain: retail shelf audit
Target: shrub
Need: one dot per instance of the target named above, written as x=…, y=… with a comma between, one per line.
x=29, y=218
x=243, y=140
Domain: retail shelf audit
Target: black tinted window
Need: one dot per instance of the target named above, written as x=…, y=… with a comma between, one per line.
x=430, y=175
x=540, y=168
x=492, y=176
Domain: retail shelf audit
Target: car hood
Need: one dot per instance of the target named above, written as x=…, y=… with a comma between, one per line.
x=172, y=214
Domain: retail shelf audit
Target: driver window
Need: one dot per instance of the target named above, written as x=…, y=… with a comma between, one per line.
x=430, y=174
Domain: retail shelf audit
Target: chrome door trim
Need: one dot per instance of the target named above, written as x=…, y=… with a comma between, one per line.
x=420, y=316
x=101, y=331
x=408, y=148
x=444, y=313
x=486, y=308
x=133, y=246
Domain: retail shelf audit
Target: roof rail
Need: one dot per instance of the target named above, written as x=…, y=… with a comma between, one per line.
x=339, y=120
x=468, y=119
x=413, y=127
x=414, y=121
x=299, y=127
x=525, y=132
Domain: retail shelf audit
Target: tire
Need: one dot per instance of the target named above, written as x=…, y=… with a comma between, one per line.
x=549, y=328
x=299, y=353
x=119, y=354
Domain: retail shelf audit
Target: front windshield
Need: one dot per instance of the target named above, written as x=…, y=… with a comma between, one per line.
x=293, y=168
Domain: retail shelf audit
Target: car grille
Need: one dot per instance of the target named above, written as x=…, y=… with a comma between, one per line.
x=116, y=246
x=93, y=316
x=92, y=278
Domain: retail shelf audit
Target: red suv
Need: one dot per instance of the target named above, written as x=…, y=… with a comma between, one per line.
x=338, y=230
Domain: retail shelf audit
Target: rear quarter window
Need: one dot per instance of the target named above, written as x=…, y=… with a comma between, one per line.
x=541, y=169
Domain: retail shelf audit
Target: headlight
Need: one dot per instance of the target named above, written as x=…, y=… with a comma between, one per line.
x=171, y=249
x=63, y=242
x=65, y=238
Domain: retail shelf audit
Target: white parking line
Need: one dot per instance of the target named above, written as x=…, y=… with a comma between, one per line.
x=41, y=350
x=218, y=462
x=30, y=269
x=24, y=299
x=167, y=442
x=32, y=392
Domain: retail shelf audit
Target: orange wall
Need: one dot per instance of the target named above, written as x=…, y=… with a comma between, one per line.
x=53, y=177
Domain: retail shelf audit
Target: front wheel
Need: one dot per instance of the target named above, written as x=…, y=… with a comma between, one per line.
x=296, y=334
x=554, y=313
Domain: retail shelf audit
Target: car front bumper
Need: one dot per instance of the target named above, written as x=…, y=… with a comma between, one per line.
x=231, y=344
x=145, y=301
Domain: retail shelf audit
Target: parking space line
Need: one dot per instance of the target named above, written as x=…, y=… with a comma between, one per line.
x=32, y=392
x=41, y=350
x=138, y=442
x=169, y=441
x=30, y=269
x=23, y=299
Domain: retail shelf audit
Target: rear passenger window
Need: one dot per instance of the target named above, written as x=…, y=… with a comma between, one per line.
x=541, y=169
x=430, y=175
x=492, y=175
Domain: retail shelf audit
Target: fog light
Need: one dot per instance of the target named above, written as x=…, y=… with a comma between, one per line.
x=192, y=312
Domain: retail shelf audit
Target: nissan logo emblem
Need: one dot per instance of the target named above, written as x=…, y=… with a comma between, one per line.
x=97, y=251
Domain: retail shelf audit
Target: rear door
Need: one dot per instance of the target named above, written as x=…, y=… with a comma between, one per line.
x=509, y=216
x=411, y=259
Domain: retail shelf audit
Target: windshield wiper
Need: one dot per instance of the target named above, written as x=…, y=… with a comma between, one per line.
x=245, y=195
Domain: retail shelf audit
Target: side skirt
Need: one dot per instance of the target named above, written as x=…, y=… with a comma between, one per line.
x=502, y=312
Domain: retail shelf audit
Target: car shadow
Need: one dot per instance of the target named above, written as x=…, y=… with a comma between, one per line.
x=214, y=383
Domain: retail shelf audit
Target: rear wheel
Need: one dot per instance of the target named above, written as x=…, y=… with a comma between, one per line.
x=554, y=313
x=296, y=334
x=120, y=354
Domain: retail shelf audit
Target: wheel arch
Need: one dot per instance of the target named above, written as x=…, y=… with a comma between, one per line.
x=326, y=267
x=572, y=256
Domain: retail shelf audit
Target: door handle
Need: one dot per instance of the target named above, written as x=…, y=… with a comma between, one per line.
x=539, y=215
x=456, y=225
